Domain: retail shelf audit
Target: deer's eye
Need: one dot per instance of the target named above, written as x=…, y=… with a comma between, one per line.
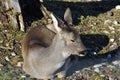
x=73, y=40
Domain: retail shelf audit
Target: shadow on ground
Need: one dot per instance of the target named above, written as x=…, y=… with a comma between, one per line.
x=86, y=62
x=81, y=8
x=95, y=42
x=31, y=8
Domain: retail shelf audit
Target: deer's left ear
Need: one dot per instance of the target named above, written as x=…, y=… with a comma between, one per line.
x=68, y=16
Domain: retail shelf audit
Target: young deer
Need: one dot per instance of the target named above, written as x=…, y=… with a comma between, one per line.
x=46, y=49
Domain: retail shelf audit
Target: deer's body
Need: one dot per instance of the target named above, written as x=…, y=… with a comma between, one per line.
x=46, y=49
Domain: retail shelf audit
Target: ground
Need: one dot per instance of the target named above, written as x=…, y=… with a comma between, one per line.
x=99, y=26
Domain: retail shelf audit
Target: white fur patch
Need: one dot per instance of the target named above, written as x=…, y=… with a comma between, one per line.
x=65, y=54
x=55, y=23
x=59, y=65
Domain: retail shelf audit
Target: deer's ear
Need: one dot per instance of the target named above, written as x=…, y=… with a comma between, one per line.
x=55, y=24
x=68, y=16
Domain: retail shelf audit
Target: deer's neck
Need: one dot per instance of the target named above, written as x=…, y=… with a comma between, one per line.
x=59, y=48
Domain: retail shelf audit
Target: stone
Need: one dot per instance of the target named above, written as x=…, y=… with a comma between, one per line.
x=107, y=21
x=77, y=71
x=41, y=0
x=110, y=66
x=112, y=40
x=102, y=75
x=7, y=59
x=111, y=28
x=19, y=64
x=117, y=7
x=115, y=22
x=97, y=70
x=23, y=76
x=94, y=53
x=112, y=32
x=115, y=62
x=106, y=32
x=13, y=54
x=114, y=45
x=110, y=13
x=60, y=75
x=97, y=65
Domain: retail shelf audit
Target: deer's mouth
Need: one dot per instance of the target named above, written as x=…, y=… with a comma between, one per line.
x=82, y=53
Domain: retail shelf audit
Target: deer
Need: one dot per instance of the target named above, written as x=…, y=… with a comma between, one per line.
x=46, y=49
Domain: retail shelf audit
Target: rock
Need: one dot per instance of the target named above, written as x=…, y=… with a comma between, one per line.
x=102, y=75
x=97, y=70
x=110, y=13
x=7, y=59
x=94, y=53
x=117, y=7
x=77, y=71
x=60, y=75
x=107, y=22
x=115, y=22
x=111, y=28
x=41, y=0
x=110, y=78
x=5, y=31
x=111, y=66
x=111, y=40
x=23, y=76
x=106, y=32
x=97, y=65
x=114, y=46
x=115, y=63
x=13, y=54
x=113, y=32
x=19, y=64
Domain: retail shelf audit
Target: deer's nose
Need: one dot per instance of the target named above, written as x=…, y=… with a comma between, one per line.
x=83, y=53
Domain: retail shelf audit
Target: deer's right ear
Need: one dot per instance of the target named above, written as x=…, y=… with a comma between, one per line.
x=55, y=23
x=68, y=16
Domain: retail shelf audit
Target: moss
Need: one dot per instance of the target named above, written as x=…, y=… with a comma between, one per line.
x=16, y=59
x=94, y=77
x=10, y=73
x=96, y=25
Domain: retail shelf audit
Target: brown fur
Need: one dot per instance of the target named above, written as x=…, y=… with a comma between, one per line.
x=40, y=36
